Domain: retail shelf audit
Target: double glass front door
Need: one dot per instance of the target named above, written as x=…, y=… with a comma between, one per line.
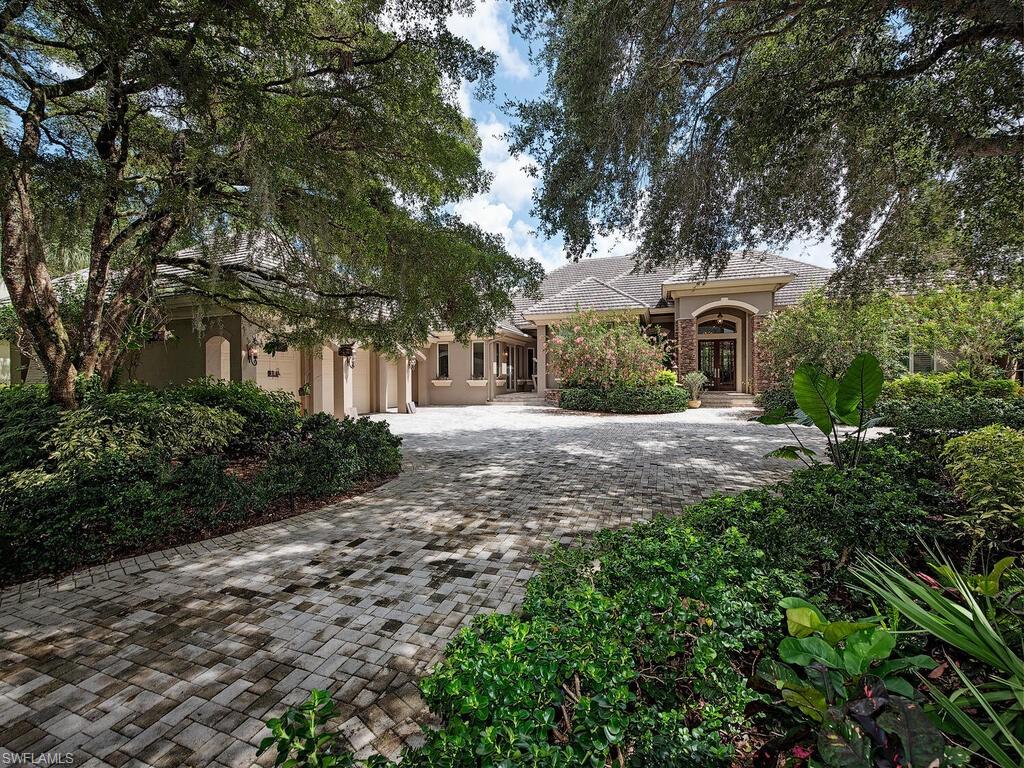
x=717, y=360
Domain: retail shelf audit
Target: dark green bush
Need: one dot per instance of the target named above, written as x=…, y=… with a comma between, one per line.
x=950, y=415
x=627, y=649
x=821, y=515
x=26, y=418
x=777, y=397
x=987, y=468
x=137, y=421
x=317, y=462
x=933, y=386
x=140, y=469
x=269, y=416
x=661, y=399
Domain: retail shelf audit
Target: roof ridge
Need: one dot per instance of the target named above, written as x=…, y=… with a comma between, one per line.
x=618, y=291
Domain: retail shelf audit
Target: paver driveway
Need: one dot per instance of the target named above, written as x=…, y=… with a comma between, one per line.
x=176, y=659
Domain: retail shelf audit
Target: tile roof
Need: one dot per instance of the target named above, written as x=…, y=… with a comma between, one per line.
x=605, y=277
x=745, y=266
x=589, y=293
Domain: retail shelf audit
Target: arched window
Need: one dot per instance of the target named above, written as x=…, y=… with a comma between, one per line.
x=218, y=358
x=717, y=325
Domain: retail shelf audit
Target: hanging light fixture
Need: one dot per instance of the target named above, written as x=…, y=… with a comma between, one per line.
x=720, y=320
x=252, y=353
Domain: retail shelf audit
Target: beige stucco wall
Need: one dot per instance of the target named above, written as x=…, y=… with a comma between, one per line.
x=361, y=393
x=460, y=367
x=762, y=301
x=183, y=357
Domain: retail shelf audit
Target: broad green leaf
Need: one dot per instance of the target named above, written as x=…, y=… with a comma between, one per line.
x=803, y=622
x=860, y=386
x=899, y=686
x=866, y=646
x=922, y=742
x=840, y=630
x=815, y=393
x=842, y=746
x=774, y=416
x=802, y=617
x=807, y=699
x=907, y=662
x=789, y=452
x=805, y=650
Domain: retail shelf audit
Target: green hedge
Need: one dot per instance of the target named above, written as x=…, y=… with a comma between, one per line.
x=933, y=386
x=140, y=469
x=950, y=415
x=987, y=469
x=820, y=516
x=659, y=399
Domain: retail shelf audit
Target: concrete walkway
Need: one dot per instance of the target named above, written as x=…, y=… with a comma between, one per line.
x=177, y=658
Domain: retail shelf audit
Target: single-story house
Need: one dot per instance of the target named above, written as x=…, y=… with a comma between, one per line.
x=712, y=325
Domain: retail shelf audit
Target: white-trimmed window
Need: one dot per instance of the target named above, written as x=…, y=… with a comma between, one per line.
x=442, y=361
x=478, y=360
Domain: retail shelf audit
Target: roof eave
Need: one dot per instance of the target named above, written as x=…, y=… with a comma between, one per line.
x=546, y=318
x=671, y=290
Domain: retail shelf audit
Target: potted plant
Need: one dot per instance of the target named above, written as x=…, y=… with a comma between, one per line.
x=694, y=383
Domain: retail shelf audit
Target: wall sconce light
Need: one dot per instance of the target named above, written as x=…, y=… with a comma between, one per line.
x=346, y=351
x=252, y=353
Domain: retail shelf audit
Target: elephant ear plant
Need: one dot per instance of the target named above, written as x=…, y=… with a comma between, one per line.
x=833, y=406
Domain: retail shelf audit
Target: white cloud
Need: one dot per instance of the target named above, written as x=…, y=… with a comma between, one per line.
x=488, y=27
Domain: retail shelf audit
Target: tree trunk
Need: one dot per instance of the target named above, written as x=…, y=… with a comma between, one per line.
x=32, y=296
x=23, y=266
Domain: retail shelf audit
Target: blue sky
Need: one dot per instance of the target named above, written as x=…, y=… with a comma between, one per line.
x=505, y=209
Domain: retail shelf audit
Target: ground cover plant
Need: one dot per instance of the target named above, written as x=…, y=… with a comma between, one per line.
x=140, y=469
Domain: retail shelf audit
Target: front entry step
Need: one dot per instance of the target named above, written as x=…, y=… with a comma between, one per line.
x=727, y=400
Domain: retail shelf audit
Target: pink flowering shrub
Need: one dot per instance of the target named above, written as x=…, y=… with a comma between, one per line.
x=604, y=351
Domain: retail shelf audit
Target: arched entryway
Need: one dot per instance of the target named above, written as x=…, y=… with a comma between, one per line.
x=724, y=353
x=218, y=358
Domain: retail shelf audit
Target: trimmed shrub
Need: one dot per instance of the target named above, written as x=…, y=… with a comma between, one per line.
x=624, y=399
x=914, y=386
x=933, y=386
x=134, y=422
x=268, y=416
x=665, y=378
x=821, y=515
x=948, y=416
x=138, y=470
x=777, y=397
x=327, y=456
x=626, y=649
x=986, y=468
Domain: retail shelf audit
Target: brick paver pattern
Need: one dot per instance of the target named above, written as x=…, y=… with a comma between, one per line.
x=177, y=658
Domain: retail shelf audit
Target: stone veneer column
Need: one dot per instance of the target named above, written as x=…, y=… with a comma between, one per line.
x=686, y=346
x=761, y=381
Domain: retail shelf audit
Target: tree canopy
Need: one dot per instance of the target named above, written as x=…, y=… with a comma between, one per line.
x=892, y=128
x=329, y=129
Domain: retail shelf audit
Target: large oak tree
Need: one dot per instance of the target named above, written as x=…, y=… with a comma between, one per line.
x=325, y=129
x=893, y=127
